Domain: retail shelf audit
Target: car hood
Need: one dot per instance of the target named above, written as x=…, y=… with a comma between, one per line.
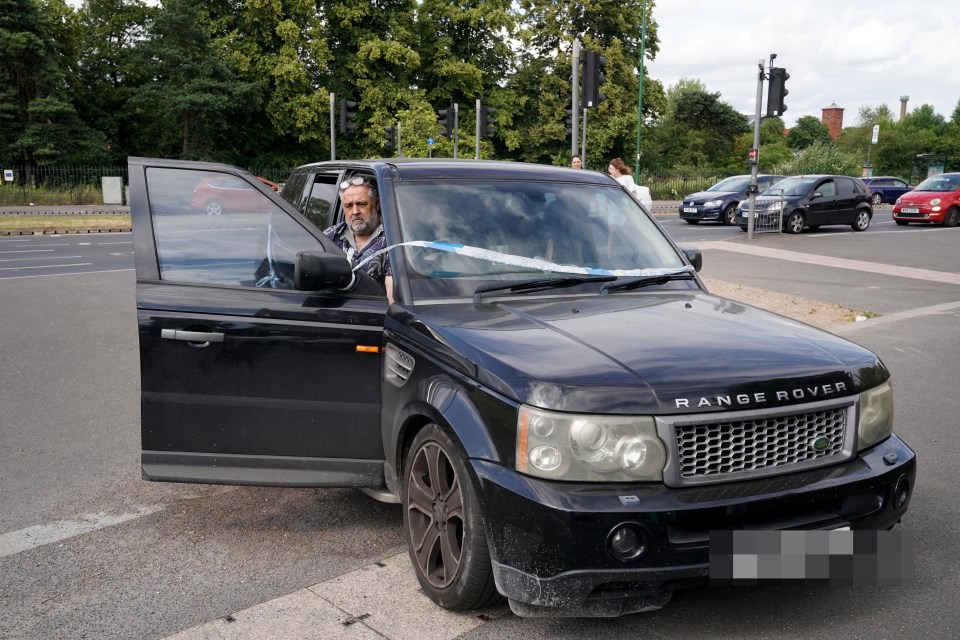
x=703, y=196
x=924, y=197
x=648, y=353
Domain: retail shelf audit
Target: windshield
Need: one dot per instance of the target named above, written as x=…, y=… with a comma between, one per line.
x=943, y=182
x=790, y=187
x=459, y=236
x=732, y=184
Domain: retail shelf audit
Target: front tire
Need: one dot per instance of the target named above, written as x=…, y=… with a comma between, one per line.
x=795, y=222
x=213, y=208
x=861, y=221
x=443, y=524
x=952, y=218
x=902, y=223
x=692, y=221
x=730, y=215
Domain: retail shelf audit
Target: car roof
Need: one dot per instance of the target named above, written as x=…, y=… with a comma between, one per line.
x=430, y=168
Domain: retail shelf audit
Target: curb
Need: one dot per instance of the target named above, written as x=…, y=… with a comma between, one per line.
x=60, y=232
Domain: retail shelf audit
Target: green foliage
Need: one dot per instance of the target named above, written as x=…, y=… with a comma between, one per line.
x=821, y=157
x=808, y=131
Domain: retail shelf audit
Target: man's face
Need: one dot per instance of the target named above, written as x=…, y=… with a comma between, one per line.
x=361, y=210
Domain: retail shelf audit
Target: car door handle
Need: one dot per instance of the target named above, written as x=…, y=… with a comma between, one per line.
x=191, y=336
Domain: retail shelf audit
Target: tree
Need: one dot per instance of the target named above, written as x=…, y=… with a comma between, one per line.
x=193, y=99
x=808, y=131
x=38, y=122
x=821, y=158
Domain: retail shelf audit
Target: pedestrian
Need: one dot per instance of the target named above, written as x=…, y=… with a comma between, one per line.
x=576, y=161
x=621, y=172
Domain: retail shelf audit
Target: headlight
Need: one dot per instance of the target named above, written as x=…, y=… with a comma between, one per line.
x=588, y=448
x=898, y=200
x=713, y=203
x=935, y=201
x=876, y=415
x=775, y=206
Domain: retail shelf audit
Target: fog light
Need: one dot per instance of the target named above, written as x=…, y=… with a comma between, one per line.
x=627, y=541
x=901, y=492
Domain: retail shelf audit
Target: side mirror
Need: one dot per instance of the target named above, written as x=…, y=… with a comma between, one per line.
x=317, y=270
x=693, y=256
x=815, y=195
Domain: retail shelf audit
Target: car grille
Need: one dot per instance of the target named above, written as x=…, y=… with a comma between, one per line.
x=724, y=447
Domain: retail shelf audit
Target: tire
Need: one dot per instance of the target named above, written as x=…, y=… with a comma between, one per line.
x=861, y=220
x=952, y=218
x=443, y=524
x=877, y=199
x=795, y=223
x=730, y=215
x=902, y=223
x=692, y=221
x=213, y=208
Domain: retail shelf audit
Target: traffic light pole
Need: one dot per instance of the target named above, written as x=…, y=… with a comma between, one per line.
x=755, y=166
x=583, y=141
x=333, y=127
x=643, y=46
x=456, y=127
x=477, y=153
x=575, y=106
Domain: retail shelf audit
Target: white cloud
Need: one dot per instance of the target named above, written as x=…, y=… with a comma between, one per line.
x=853, y=52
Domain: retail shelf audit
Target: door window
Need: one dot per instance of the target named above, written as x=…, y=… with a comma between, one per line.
x=827, y=188
x=249, y=243
x=322, y=195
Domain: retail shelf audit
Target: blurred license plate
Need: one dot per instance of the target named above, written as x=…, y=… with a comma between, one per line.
x=689, y=210
x=909, y=210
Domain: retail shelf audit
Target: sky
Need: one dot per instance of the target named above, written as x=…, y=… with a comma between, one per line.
x=853, y=53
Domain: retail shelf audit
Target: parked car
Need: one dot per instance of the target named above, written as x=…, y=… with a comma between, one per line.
x=555, y=399
x=886, y=189
x=935, y=200
x=218, y=195
x=812, y=201
x=719, y=202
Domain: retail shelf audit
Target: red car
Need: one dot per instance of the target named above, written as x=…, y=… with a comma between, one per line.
x=222, y=194
x=936, y=199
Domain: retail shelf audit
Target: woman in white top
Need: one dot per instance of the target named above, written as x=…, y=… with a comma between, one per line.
x=621, y=172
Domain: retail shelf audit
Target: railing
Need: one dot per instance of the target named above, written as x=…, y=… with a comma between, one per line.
x=60, y=185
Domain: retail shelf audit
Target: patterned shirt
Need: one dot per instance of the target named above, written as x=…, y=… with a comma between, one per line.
x=378, y=268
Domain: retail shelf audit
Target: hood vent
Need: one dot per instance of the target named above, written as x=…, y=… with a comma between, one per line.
x=399, y=365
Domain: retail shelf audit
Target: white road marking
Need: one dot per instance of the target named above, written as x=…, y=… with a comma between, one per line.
x=40, y=258
x=48, y=266
x=28, y=251
x=99, y=244
x=44, y=534
x=60, y=275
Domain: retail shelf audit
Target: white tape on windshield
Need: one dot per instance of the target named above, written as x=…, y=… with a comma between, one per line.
x=529, y=263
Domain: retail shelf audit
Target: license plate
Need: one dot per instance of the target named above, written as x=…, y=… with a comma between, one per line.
x=909, y=210
x=689, y=210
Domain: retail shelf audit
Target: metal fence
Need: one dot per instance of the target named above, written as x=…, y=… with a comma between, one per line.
x=62, y=185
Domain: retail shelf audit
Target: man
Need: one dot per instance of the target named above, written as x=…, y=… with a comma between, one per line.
x=360, y=235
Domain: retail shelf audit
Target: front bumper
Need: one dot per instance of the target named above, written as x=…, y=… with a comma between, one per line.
x=550, y=541
x=699, y=212
x=922, y=215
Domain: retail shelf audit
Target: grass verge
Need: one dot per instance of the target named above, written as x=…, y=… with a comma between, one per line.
x=73, y=222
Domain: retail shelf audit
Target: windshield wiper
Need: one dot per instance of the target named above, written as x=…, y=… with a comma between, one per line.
x=538, y=284
x=643, y=281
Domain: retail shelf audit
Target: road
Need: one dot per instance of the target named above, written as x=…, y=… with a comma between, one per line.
x=88, y=549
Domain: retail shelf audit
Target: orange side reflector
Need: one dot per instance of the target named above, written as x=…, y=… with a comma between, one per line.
x=522, y=440
x=361, y=348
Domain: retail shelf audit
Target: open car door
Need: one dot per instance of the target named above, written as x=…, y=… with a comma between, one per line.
x=244, y=379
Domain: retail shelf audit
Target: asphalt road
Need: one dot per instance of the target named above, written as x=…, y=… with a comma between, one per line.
x=88, y=549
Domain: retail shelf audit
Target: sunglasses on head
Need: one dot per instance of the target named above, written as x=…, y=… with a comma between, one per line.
x=355, y=181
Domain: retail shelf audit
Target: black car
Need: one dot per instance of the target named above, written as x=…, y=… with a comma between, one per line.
x=719, y=203
x=886, y=189
x=812, y=201
x=553, y=396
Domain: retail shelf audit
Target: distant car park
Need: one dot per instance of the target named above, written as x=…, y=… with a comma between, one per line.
x=935, y=200
x=719, y=202
x=886, y=189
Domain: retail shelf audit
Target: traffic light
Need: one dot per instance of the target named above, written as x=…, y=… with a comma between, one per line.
x=391, y=137
x=347, y=116
x=777, y=91
x=486, y=121
x=445, y=117
x=593, y=66
x=569, y=120
x=752, y=156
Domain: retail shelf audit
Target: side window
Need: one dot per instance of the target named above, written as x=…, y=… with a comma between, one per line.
x=322, y=195
x=848, y=187
x=827, y=188
x=249, y=243
x=293, y=189
x=900, y=183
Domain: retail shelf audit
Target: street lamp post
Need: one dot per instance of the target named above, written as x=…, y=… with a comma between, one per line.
x=643, y=46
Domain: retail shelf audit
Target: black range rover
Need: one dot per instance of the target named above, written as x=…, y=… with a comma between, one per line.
x=553, y=397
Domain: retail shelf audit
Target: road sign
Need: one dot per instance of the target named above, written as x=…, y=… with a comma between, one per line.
x=876, y=134
x=8, y=175
x=429, y=142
